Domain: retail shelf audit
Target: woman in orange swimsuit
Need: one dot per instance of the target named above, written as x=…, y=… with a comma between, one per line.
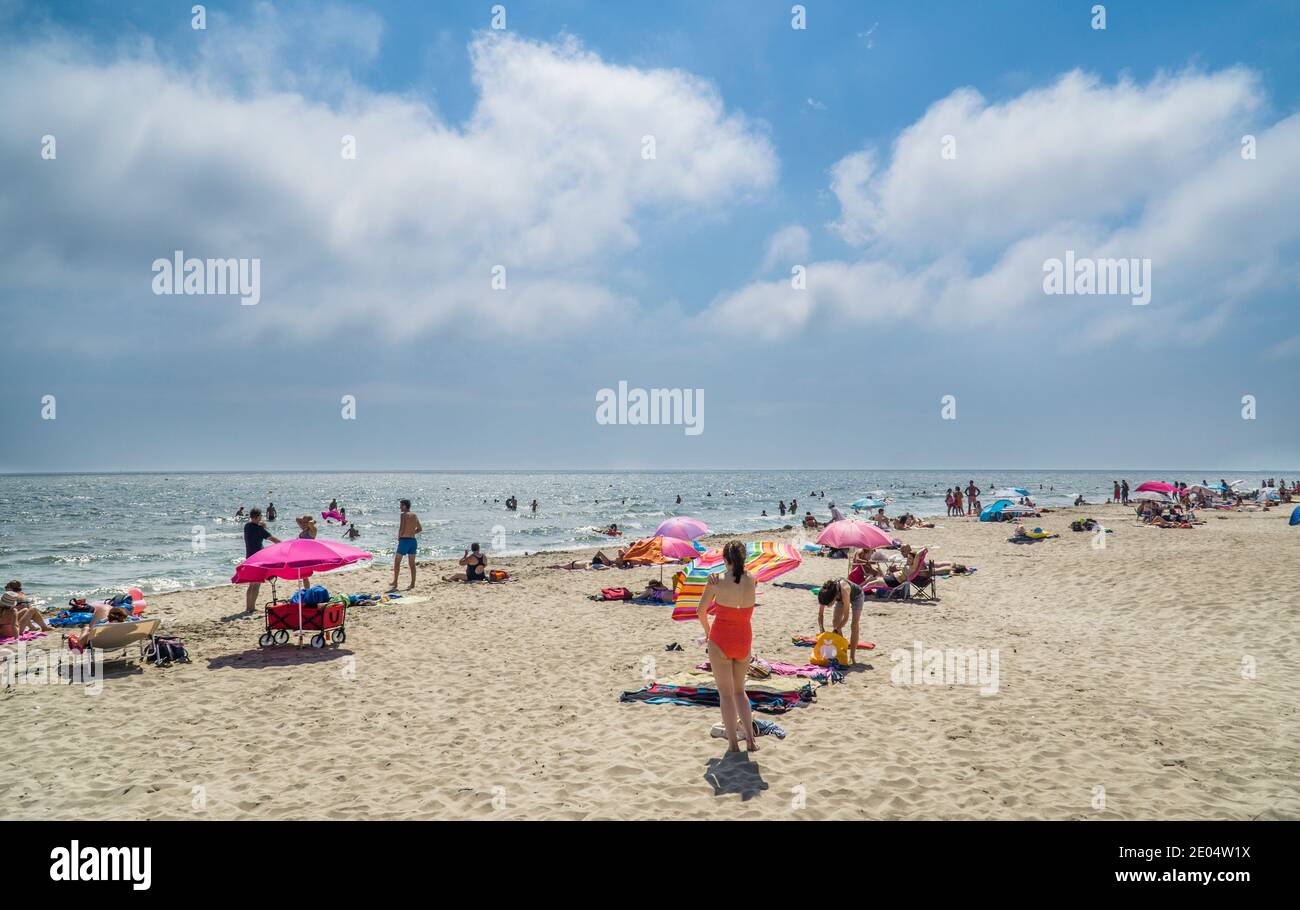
x=729, y=637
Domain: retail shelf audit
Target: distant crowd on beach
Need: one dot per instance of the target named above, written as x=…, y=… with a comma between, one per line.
x=961, y=501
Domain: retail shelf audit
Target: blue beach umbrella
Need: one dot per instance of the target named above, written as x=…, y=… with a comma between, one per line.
x=1295, y=516
x=994, y=509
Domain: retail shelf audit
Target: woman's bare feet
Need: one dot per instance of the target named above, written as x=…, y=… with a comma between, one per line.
x=750, y=744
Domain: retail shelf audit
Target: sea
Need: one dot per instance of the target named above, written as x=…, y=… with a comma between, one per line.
x=90, y=535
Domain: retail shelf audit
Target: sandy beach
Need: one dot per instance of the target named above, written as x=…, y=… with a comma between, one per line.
x=1160, y=667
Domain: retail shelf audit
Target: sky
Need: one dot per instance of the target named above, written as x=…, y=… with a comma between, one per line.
x=833, y=236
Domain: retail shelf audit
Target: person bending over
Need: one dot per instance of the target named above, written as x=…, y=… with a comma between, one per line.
x=847, y=598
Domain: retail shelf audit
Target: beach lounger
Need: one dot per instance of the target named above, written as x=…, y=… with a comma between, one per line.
x=108, y=638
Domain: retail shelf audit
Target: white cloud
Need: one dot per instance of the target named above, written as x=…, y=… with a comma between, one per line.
x=1077, y=150
x=1288, y=347
x=787, y=247
x=546, y=178
x=1129, y=171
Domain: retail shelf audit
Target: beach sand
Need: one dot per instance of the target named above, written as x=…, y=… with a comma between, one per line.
x=1127, y=668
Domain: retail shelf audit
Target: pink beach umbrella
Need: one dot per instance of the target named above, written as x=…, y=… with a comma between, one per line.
x=296, y=559
x=1156, y=486
x=676, y=548
x=682, y=527
x=847, y=533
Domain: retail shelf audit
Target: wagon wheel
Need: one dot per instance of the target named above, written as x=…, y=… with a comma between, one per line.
x=318, y=640
x=282, y=637
x=266, y=640
x=340, y=636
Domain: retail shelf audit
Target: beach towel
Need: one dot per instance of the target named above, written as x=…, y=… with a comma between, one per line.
x=823, y=675
x=657, y=694
x=26, y=636
x=68, y=619
x=772, y=696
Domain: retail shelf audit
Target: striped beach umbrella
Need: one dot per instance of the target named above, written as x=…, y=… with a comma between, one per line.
x=764, y=559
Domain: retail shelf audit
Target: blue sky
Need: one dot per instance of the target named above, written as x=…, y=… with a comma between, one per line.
x=775, y=147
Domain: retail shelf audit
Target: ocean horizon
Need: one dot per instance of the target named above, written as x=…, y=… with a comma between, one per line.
x=95, y=533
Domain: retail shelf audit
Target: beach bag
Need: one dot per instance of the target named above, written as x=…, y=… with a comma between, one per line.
x=498, y=575
x=758, y=668
x=165, y=649
x=615, y=594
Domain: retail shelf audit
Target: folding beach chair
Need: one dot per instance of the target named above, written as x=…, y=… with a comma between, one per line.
x=917, y=586
x=923, y=582
x=110, y=637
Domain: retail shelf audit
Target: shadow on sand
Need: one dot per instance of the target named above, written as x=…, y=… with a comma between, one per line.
x=734, y=773
x=287, y=656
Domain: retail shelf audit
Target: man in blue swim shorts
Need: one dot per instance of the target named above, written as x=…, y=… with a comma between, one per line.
x=408, y=526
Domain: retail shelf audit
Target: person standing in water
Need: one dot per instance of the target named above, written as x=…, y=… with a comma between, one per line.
x=408, y=526
x=729, y=637
x=534, y=506
x=270, y=511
